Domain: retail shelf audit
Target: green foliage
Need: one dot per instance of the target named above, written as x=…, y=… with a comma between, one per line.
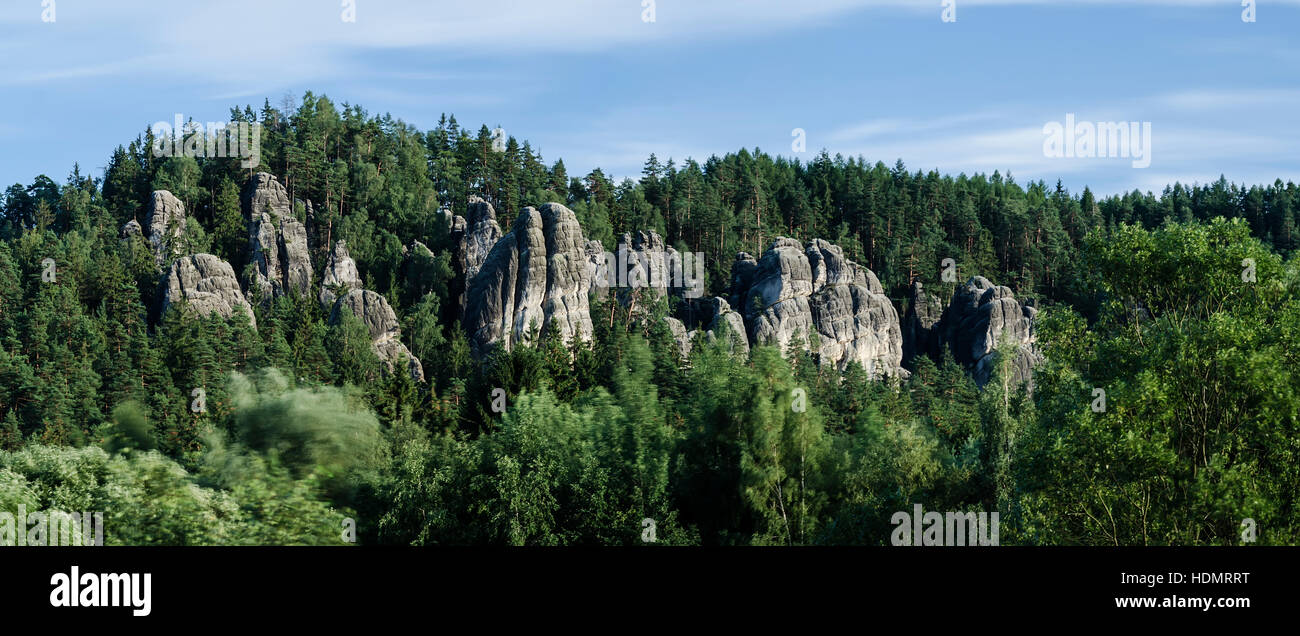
x=1144, y=296
x=324, y=432
x=1201, y=409
x=147, y=499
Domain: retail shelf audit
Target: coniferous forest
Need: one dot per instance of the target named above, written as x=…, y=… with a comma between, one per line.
x=1162, y=407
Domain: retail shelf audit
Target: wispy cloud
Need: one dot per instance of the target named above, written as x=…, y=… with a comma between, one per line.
x=1220, y=99
x=557, y=73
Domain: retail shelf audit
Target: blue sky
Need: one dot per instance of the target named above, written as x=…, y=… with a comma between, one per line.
x=593, y=83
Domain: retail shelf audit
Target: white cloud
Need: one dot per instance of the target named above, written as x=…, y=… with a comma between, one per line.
x=1180, y=150
x=304, y=40
x=1218, y=99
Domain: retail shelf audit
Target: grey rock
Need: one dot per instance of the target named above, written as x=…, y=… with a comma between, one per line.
x=680, y=335
x=710, y=318
x=207, y=284
x=640, y=270
x=536, y=276
x=295, y=256
x=742, y=275
x=373, y=310
x=340, y=275
x=397, y=358
x=277, y=240
x=385, y=333
x=419, y=249
x=796, y=294
x=599, y=268
x=132, y=229
x=920, y=335
x=982, y=316
x=165, y=221
x=475, y=236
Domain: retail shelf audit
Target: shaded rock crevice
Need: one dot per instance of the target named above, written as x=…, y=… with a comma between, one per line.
x=980, y=318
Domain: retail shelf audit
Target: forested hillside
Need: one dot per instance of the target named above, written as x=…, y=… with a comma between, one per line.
x=194, y=427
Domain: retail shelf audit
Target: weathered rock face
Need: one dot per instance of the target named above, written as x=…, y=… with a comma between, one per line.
x=341, y=287
x=598, y=269
x=472, y=239
x=742, y=276
x=475, y=235
x=647, y=261
x=680, y=335
x=385, y=333
x=979, y=319
x=537, y=275
x=713, y=318
x=277, y=240
x=131, y=229
x=643, y=269
x=796, y=292
x=207, y=284
x=165, y=220
x=371, y=308
x=295, y=257
x=340, y=275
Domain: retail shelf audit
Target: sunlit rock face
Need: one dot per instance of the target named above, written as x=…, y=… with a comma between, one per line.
x=385, y=334
x=277, y=241
x=165, y=224
x=339, y=277
x=537, y=277
x=810, y=297
x=207, y=285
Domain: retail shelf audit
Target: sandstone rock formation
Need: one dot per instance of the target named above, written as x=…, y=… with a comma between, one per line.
x=341, y=287
x=475, y=235
x=131, y=229
x=710, y=317
x=680, y=335
x=277, y=240
x=340, y=275
x=538, y=276
x=641, y=268
x=385, y=334
x=980, y=318
x=165, y=221
x=207, y=284
x=796, y=293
